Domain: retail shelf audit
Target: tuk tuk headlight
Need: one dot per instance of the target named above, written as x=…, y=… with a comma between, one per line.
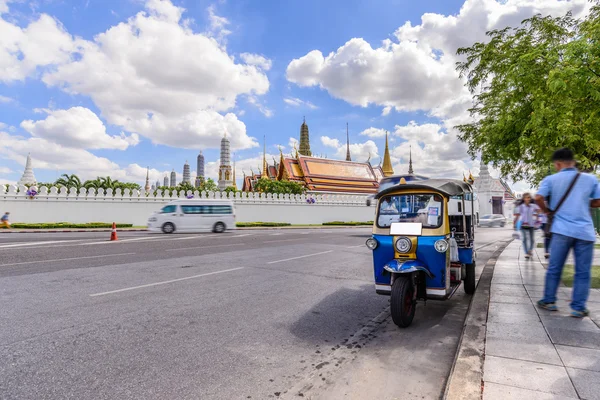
x=441, y=246
x=403, y=245
x=372, y=243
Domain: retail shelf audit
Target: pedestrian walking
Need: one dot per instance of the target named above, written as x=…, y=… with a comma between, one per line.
x=571, y=194
x=4, y=220
x=543, y=218
x=527, y=213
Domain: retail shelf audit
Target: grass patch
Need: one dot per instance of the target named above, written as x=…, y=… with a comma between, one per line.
x=350, y=223
x=66, y=225
x=259, y=224
x=569, y=272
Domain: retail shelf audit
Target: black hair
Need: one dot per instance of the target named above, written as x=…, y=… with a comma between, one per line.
x=563, y=154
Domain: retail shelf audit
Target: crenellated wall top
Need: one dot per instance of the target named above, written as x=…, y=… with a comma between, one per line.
x=14, y=192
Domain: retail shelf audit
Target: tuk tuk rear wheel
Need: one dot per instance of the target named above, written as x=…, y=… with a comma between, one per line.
x=470, y=278
x=402, y=302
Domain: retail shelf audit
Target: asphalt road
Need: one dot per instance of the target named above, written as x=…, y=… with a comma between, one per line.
x=247, y=314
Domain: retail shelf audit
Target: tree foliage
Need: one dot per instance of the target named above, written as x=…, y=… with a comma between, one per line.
x=272, y=186
x=535, y=88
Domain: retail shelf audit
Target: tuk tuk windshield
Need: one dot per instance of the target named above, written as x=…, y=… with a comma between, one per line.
x=423, y=208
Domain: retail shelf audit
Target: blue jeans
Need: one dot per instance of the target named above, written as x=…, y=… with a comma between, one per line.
x=546, y=239
x=527, y=239
x=583, y=251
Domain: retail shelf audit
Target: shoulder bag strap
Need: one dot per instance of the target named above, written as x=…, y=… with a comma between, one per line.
x=562, y=200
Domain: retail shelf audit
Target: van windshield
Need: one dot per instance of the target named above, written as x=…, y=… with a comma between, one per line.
x=424, y=208
x=168, y=209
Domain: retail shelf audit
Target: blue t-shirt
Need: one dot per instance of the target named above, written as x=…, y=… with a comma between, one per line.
x=574, y=218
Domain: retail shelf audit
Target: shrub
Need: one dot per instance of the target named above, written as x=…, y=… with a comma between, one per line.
x=349, y=223
x=66, y=225
x=269, y=224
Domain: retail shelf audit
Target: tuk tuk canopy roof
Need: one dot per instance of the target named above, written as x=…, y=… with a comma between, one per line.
x=447, y=187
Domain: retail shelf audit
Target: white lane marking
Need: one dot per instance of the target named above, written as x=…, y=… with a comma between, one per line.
x=358, y=245
x=164, y=282
x=66, y=259
x=246, y=234
x=207, y=247
x=276, y=234
x=296, y=258
x=38, y=243
x=120, y=241
x=281, y=240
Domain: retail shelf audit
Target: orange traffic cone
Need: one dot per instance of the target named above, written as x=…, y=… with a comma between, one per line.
x=113, y=234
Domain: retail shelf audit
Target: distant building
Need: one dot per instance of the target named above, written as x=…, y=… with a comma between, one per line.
x=173, y=181
x=304, y=140
x=157, y=185
x=147, y=186
x=28, y=178
x=200, y=167
x=186, y=173
x=225, y=176
x=166, y=181
x=494, y=194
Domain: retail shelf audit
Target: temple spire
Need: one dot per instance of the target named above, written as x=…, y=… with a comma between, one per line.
x=265, y=166
x=28, y=178
x=410, y=168
x=304, y=140
x=147, y=187
x=234, y=183
x=387, y=162
x=348, y=158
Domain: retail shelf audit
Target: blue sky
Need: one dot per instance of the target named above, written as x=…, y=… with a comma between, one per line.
x=108, y=87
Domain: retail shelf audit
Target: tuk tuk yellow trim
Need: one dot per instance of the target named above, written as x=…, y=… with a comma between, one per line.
x=412, y=254
x=443, y=229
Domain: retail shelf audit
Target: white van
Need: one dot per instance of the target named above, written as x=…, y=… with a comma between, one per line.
x=193, y=215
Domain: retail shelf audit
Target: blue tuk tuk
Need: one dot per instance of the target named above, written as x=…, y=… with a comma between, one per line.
x=423, y=243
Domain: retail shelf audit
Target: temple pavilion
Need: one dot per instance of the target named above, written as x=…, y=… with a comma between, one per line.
x=323, y=175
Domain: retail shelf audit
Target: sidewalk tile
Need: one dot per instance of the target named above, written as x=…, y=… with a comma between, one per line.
x=574, y=338
x=532, y=350
x=509, y=318
x=518, y=332
x=507, y=280
x=494, y=391
x=538, y=294
x=517, y=290
x=579, y=357
x=528, y=375
x=513, y=308
x=554, y=320
x=587, y=383
x=508, y=298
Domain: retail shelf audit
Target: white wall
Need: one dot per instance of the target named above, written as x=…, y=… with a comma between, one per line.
x=134, y=208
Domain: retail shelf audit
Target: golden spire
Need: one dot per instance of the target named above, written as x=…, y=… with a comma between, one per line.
x=265, y=166
x=348, y=158
x=410, y=168
x=296, y=151
x=387, y=162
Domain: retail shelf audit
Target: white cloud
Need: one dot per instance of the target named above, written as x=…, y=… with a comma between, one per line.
x=4, y=6
x=417, y=70
x=257, y=60
x=184, y=103
x=5, y=170
x=267, y=112
x=293, y=142
x=78, y=127
x=374, y=132
x=42, y=43
x=296, y=102
x=218, y=25
x=329, y=142
x=5, y=99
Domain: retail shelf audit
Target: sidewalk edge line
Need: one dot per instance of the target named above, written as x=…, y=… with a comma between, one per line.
x=466, y=375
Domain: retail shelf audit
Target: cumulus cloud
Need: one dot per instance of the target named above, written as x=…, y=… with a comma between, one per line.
x=374, y=132
x=5, y=99
x=184, y=103
x=257, y=60
x=358, y=151
x=329, y=142
x=417, y=70
x=296, y=102
x=78, y=127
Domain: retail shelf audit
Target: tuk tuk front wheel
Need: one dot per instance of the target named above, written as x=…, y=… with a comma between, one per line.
x=470, y=278
x=402, y=302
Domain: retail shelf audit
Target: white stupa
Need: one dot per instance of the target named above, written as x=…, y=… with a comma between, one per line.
x=28, y=178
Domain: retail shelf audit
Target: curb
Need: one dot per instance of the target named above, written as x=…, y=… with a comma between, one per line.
x=466, y=375
x=248, y=228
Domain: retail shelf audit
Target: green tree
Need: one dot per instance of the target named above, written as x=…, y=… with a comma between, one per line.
x=208, y=185
x=535, y=88
x=280, y=187
x=69, y=181
x=93, y=184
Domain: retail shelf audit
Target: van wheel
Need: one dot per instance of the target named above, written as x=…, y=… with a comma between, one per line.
x=219, y=227
x=402, y=302
x=168, y=228
x=469, y=278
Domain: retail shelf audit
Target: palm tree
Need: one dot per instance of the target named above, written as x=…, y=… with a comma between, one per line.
x=95, y=184
x=109, y=183
x=69, y=181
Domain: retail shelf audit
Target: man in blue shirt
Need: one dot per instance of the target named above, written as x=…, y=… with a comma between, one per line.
x=572, y=227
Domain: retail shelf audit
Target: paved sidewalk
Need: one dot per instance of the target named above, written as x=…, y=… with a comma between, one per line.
x=532, y=353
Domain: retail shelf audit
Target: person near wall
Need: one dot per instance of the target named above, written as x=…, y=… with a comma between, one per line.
x=4, y=220
x=543, y=219
x=527, y=213
x=571, y=195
